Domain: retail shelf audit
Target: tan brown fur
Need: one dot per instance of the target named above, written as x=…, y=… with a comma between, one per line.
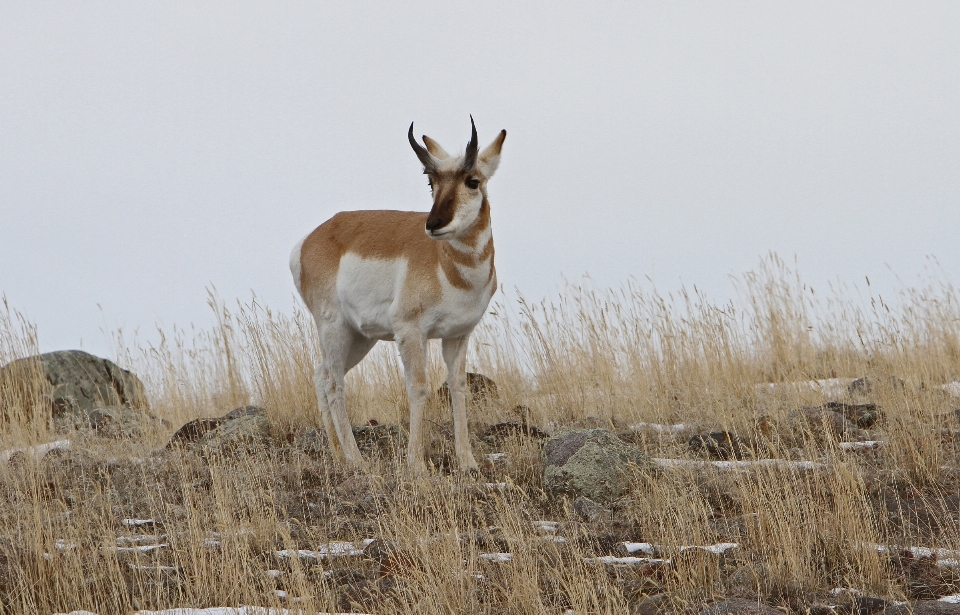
x=436, y=282
x=388, y=235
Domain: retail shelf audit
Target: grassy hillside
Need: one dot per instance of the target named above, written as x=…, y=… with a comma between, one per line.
x=628, y=359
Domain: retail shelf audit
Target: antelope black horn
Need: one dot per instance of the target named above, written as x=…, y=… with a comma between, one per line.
x=470, y=158
x=420, y=151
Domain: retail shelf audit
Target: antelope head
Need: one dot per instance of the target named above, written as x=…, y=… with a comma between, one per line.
x=459, y=185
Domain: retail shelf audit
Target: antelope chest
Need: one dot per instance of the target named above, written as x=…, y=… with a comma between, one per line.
x=459, y=310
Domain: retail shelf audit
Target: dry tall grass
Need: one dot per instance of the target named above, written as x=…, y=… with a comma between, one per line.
x=616, y=358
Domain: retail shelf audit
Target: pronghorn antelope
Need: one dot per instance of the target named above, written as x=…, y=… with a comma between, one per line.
x=404, y=276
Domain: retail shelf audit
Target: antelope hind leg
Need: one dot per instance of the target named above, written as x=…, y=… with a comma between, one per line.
x=413, y=350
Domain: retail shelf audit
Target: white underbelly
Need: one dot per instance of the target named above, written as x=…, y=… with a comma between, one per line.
x=366, y=289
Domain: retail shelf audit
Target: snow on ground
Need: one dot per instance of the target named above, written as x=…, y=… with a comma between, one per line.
x=847, y=446
x=948, y=558
x=37, y=451
x=952, y=388
x=652, y=549
x=497, y=558
x=220, y=610
x=738, y=465
x=240, y=610
x=328, y=550
x=830, y=388
x=658, y=428
x=612, y=560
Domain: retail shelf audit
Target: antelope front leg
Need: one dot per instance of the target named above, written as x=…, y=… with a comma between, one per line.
x=455, y=356
x=413, y=353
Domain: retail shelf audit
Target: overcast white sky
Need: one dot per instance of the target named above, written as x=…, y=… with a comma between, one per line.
x=149, y=150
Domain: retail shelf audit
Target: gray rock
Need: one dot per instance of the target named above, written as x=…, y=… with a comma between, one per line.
x=120, y=421
x=313, y=442
x=749, y=580
x=588, y=510
x=75, y=383
x=823, y=421
x=193, y=431
x=245, y=411
x=590, y=462
x=870, y=384
x=719, y=445
x=245, y=433
x=739, y=606
x=481, y=389
x=864, y=415
x=383, y=439
x=651, y=605
x=865, y=605
x=924, y=607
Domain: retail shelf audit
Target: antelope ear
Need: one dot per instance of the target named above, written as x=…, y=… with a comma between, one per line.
x=489, y=158
x=434, y=148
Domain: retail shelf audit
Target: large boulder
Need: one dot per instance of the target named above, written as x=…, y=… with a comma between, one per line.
x=590, y=462
x=924, y=607
x=481, y=390
x=245, y=433
x=76, y=383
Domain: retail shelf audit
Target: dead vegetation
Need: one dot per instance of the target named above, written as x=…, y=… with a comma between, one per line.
x=116, y=524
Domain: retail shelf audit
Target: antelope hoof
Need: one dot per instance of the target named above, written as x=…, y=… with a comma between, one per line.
x=469, y=465
x=417, y=467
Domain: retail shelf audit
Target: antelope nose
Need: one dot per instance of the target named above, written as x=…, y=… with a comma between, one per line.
x=434, y=224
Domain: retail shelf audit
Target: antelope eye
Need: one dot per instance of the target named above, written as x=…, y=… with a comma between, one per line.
x=472, y=182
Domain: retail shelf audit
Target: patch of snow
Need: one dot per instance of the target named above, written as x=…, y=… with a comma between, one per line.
x=640, y=547
x=143, y=539
x=557, y=539
x=36, y=451
x=340, y=549
x=495, y=457
x=548, y=527
x=651, y=549
x=283, y=595
x=837, y=591
x=951, y=388
x=612, y=560
x=64, y=545
x=330, y=549
x=227, y=610
x=857, y=445
x=717, y=548
x=273, y=574
x=831, y=388
x=657, y=427
x=140, y=549
x=739, y=465
x=497, y=558
x=952, y=599
x=298, y=553
x=139, y=522
x=948, y=558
